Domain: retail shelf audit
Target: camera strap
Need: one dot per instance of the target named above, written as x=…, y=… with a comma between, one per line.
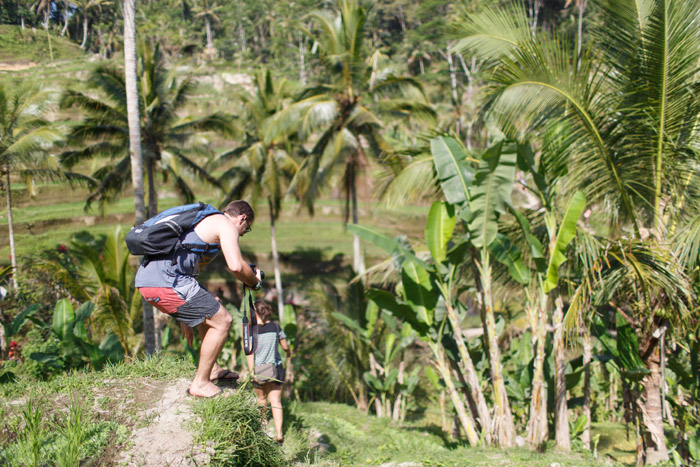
x=250, y=327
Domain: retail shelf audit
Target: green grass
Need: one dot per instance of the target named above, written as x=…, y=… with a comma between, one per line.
x=232, y=426
x=42, y=223
x=54, y=422
x=17, y=45
x=60, y=419
x=353, y=438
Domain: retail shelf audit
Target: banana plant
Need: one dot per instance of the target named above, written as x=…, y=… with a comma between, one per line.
x=547, y=266
x=426, y=296
x=480, y=191
x=387, y=381
x=77, y=349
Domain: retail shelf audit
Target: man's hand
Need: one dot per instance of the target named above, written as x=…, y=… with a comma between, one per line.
x=188, y=333
x=259, y=274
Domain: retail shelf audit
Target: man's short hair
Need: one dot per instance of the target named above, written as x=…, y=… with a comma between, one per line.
x=236, y=208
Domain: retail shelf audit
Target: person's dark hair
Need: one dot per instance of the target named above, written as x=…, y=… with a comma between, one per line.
x=236, y=208
x=263, y=309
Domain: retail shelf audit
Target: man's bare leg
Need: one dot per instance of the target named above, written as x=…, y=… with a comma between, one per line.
x=215, y=334
x=216, y=370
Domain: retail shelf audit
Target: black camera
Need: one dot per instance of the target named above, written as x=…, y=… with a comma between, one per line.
x=255, y=271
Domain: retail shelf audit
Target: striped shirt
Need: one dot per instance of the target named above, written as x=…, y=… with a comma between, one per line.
x=269, y=335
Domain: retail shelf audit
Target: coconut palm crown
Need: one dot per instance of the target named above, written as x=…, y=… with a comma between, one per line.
x=168, y=139
x=630, y=112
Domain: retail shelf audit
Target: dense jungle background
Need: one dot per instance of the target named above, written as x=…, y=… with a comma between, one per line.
x=478, y=220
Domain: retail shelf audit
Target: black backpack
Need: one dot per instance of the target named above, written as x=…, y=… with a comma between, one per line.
x=160, y=235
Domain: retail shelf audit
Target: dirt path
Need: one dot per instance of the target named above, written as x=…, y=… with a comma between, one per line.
x=165, y=441
x=16, y=66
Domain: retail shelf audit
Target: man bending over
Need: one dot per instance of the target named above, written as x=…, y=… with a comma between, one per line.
x=170, y=284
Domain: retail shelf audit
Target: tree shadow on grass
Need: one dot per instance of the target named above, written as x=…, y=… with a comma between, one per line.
x=310, y=262
x=436, y=431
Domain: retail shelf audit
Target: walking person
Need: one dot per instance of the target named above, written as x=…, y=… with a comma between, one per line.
x=266, y=365
x=170, y=284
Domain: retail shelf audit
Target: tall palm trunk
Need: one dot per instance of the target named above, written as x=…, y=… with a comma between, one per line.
x=276, y=260
x=466, y=367
x=65, y=20
x=46, y=26
x=358, y=260
x=651, y=405
x=152, y=194
x=207, y=24
x=85, y=29
x=561, y=412
x=10, y=228
x=537, y=426
x=503, y=424
x=132, y=103
x=587, y=356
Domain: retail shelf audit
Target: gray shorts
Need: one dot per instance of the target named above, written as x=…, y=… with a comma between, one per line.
x=203, y=305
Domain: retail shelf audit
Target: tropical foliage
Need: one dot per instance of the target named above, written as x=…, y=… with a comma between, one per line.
x=541, y=276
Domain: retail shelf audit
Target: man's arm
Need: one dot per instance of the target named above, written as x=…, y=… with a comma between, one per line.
x=228, y=239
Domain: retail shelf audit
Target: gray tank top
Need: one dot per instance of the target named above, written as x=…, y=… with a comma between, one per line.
x=179, y=272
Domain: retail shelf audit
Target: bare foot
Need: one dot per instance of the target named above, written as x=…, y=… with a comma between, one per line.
x=205, y=390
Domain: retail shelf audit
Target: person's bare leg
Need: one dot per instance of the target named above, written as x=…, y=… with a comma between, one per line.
x=262, y=403
x=216, y=370
x=215, y=333
x=275, y=396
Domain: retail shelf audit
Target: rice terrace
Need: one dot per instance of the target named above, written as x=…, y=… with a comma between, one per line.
x=350, y=232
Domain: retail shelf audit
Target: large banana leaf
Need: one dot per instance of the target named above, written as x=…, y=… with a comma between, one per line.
x=288, y=321
x=19, y=320
x=535, y=246
x=419, y=291
x=63, y=318
x=388, y=301
x=81, y=314
x=439, y=229
x=567, y=231
x=454, y=171
x=388, y=244
x=490, y=192
x=507, y=254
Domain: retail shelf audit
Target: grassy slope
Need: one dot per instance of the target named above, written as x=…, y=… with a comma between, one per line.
x=32, y=45
x=116, y=399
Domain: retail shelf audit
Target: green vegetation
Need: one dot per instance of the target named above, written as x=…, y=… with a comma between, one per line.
x=31, y=46
x=514, y=180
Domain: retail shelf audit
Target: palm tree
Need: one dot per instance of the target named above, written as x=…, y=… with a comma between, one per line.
x=24, y=139
x=45, y=6
x=631, y=145
x=260, y=165
x=344, y=110
x=86, y=6
x=135, y=154
x=207, y=9
x=166, y=138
